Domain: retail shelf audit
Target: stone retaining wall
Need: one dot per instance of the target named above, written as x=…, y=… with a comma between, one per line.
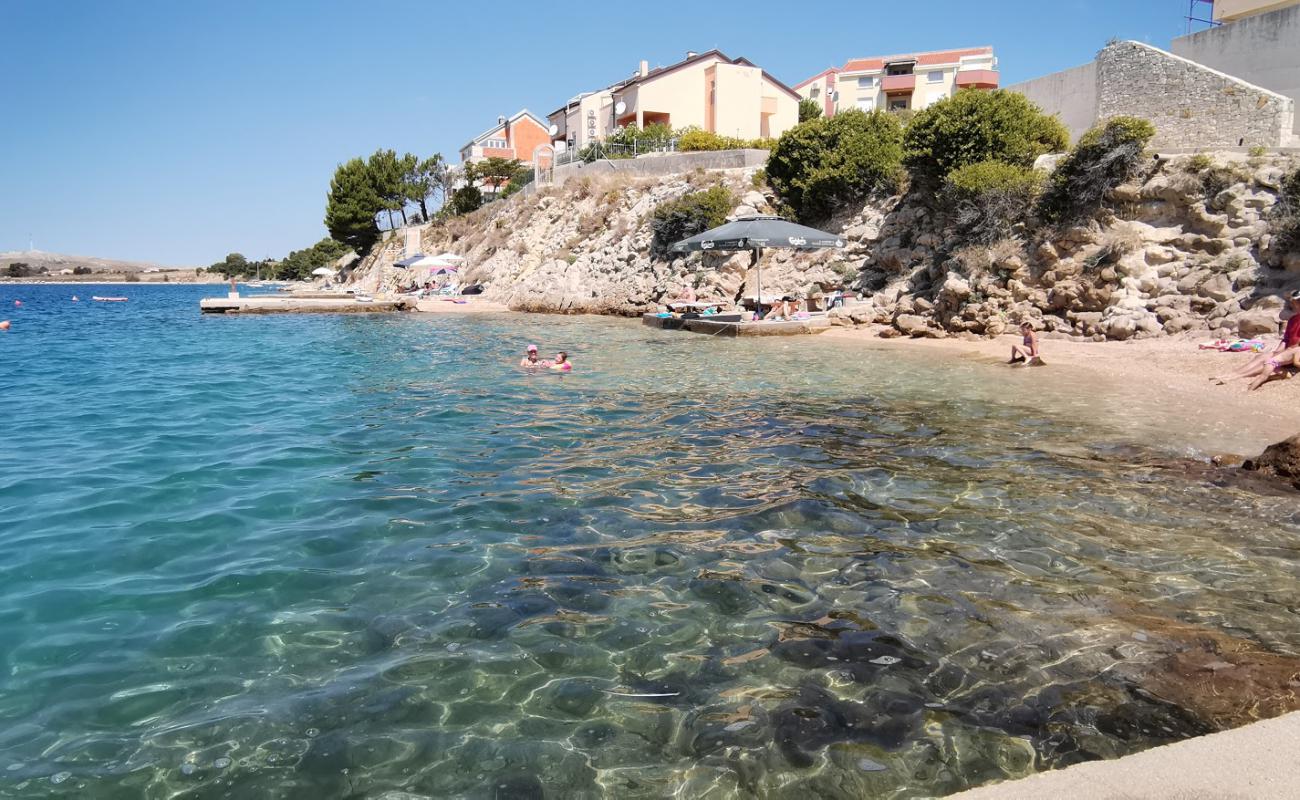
x=1191, y=105
x=660, y=165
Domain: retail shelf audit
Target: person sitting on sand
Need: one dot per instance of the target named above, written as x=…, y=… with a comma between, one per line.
x=562, y=363
x=530, y=358
x=1027, y=351
x=1270, y=365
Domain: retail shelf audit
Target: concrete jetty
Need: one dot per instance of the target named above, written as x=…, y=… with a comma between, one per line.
x=795, y=327
x=314, y=304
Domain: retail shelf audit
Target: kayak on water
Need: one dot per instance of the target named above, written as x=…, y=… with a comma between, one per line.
x=99, y=299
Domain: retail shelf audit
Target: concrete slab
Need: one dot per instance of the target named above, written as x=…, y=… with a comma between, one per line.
x=1256, y=762
x=798, y=327
x=270, y=304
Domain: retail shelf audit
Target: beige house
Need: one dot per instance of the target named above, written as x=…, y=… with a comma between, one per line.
x=903, y=81
x=730, y=97
x=1233, y=10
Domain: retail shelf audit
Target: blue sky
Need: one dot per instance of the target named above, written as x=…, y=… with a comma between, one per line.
x=179, y=131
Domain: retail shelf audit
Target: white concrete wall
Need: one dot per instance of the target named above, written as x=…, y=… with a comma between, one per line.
x=1263, y=50
x=1070, y=94
x=740, y=101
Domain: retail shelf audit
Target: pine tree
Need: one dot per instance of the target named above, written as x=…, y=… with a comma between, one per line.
x=353, y=206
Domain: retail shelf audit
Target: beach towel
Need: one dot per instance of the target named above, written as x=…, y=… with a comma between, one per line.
x=1234, y=346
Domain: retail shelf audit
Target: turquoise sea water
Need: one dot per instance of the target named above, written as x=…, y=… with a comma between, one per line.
x=344, y=556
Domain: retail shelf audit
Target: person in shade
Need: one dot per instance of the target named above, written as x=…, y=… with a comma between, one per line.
x=530, y=358
x=1264, y=368
x=562, y=363
x=1027, y=351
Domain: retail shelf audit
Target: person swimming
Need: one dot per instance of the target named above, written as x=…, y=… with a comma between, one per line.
x=562, y=363
x=530, y=358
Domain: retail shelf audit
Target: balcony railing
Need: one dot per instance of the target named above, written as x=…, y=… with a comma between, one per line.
x=898, y=83
x=977, y=78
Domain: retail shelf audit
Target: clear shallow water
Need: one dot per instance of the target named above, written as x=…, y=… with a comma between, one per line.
x=342, y=556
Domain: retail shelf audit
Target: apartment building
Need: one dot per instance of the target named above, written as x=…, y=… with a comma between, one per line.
x=903, y=81
x=711, y=91
x=1233, y=10
x=512, y=137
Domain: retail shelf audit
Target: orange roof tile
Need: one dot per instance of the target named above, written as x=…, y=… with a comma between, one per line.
x=926, y=59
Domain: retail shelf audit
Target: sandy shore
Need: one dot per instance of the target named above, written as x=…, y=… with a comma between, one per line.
x=1169, y=370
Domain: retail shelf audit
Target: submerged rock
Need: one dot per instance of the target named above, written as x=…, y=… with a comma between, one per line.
x=1281, y=460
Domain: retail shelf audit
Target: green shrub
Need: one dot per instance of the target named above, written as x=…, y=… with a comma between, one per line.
x=759, y=180
x=1199, y=163
x=653, y=136
x=1105, y=157
x=698, y=139
x=974, y=126
x=464, y=200
x=693, y=213
x=695, y=139
x=1258, y=151
x=825, y=163
x=1285, y=214
x=989, y=199
x=809, y=109
x=518, y=182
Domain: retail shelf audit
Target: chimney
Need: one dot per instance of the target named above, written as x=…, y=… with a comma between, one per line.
x=645, y=68
x=691, y=54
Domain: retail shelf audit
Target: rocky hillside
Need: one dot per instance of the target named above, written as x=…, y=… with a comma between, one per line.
x=585, y=248
x=1187, y=247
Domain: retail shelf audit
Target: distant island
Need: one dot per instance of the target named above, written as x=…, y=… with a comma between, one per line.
x=40, y=266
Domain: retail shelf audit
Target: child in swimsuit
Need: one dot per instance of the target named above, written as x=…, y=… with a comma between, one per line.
x=1028, y=349
x=562, y=363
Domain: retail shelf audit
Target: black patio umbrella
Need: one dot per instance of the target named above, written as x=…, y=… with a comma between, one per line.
x=756, y=233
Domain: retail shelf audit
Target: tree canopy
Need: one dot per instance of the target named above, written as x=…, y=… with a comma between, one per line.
x=353, y=206
x=809, y=109
x=974, y=126
x=824, y=162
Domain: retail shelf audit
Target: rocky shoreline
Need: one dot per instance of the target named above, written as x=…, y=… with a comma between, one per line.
x=1186, y=247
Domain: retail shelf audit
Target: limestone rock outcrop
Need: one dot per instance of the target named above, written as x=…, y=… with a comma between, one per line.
x=1185, y=248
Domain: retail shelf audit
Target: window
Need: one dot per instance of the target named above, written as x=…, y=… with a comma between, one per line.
x=814, y=94
x=866, y=103
x=898, y=105
x=935, y=77
x=868, y=82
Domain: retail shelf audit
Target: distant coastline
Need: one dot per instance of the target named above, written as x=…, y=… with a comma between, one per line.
x=175, y=279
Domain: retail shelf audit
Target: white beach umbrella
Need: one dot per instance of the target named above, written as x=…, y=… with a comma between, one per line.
x=323, y=272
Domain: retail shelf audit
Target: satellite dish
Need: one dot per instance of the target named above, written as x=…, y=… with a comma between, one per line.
x=620, y=107
x=554, y=129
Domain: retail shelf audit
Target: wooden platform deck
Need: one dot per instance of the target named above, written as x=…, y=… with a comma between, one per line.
x=797, y=327
x=272, y=304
